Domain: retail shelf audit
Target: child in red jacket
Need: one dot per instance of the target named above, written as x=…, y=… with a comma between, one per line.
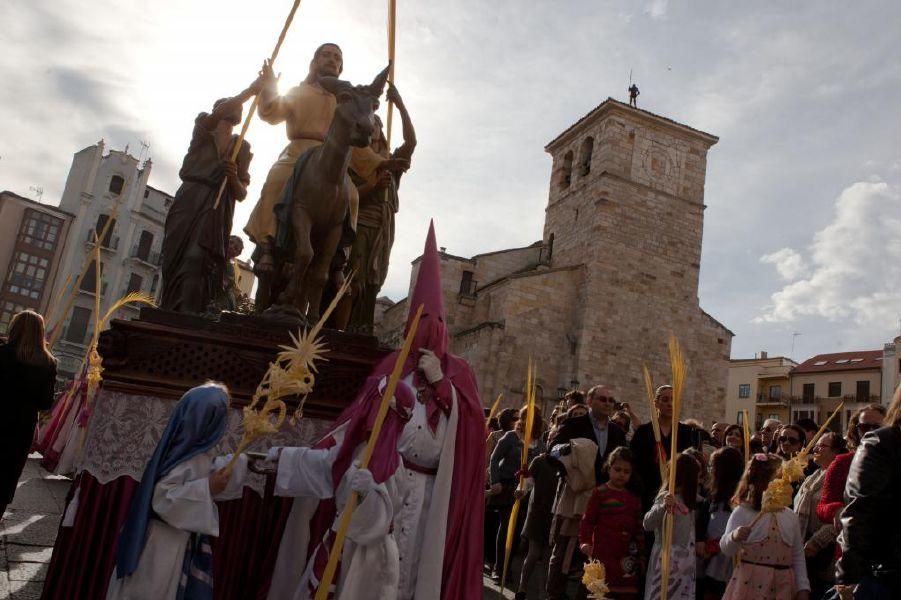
x=611, y=530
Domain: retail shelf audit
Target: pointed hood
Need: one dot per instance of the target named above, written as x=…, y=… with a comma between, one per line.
x=428, y=282
x=432, y=331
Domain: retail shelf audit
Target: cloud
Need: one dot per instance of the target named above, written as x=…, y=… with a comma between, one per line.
x=657, y=8
x=788, y=262
x=855, y=265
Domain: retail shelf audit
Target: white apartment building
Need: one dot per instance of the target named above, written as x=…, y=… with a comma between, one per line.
x=102, y=187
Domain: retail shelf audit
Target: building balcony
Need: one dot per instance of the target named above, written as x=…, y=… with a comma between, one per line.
x=90, y=290
x=767, y=400
x=151, y=259
x=110, y=243
x=847, y=399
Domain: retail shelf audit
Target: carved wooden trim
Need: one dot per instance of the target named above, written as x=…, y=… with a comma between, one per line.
x=164, y=354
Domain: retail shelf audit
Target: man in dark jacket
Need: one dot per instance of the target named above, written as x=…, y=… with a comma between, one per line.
x=644, y=446
x=871, y=527
x=597, y=427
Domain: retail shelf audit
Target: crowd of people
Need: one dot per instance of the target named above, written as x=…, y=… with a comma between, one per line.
x=593, y=490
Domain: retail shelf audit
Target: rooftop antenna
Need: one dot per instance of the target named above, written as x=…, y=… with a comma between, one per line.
x=145, y=147
x=38, y=191
x=794, y=335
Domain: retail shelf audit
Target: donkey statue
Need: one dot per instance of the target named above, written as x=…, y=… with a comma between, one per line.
x=319, y=195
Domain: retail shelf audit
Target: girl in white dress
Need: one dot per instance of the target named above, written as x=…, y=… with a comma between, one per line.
x=163, y=551
x=683, y=562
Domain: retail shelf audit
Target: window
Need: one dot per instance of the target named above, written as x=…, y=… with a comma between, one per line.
x=467, y=285
x=803, y=412
x=144, y=244
x=89, y=281
x=740, y=419
x=154, y=283
x=566, y=173
x=835, y=389
x=585, y=156
x=116, y=184
x=775, y=392
x=27, y=275
x=7, y=311
x=101, y=223
x=863, y=391
x=744, y=390
x=808, y=392
x=78, y=325
x=135, y=282
x=40, y=229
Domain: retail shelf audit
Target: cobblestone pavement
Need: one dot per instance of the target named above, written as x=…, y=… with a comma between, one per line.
x=28, y=530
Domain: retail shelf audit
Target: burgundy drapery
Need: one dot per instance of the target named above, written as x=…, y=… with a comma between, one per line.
x=243, y=556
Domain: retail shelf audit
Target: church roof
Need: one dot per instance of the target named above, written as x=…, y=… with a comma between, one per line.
x=610, y=104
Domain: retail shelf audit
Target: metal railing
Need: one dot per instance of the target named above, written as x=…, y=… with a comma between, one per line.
x=110, y=242
x=151, y=258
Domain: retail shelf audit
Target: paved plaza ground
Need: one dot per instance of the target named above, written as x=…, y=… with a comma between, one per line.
x=29, y=528
x=28, y=531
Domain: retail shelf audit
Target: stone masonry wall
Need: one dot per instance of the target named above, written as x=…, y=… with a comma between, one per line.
x=624, y=274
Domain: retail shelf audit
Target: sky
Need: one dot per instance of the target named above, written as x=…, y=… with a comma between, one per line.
x=803, y=189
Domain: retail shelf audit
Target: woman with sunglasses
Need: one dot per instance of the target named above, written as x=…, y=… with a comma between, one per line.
x=819, y=537
x=790, y=440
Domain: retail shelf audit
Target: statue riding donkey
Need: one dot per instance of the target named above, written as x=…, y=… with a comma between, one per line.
x=317, y=211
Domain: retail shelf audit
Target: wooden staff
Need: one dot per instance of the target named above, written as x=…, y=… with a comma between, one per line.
x=392, y=31
x=678, y=366
x=493, y=410
x=51, y=309
x=822, y=429
x=655, y=423
x=746, y=424
x=97, y=290
x=323, y=592
x=524, y=463
x=256, y=100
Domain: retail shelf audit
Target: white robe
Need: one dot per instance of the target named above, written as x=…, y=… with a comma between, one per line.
x=369, y=561
x=420, y=526
x=184, y=505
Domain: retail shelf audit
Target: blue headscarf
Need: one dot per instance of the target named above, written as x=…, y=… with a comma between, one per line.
x=196, y=425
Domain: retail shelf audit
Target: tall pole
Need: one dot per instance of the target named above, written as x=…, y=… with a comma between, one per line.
x=392, y=32
x=256, y=99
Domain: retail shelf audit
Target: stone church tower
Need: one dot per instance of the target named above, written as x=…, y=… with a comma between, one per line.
x=616, y=272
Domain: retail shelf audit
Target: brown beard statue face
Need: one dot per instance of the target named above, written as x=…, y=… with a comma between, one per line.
x=328, y=61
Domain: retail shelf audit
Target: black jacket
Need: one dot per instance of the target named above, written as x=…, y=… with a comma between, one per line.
x=644, y=452
x=24, y=390
x=580, y=427
x=871, y=521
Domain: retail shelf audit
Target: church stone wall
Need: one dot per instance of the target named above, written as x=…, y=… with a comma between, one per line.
x=532, y=315
x=627, y=233
x=639, y=231
x=495, y=265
